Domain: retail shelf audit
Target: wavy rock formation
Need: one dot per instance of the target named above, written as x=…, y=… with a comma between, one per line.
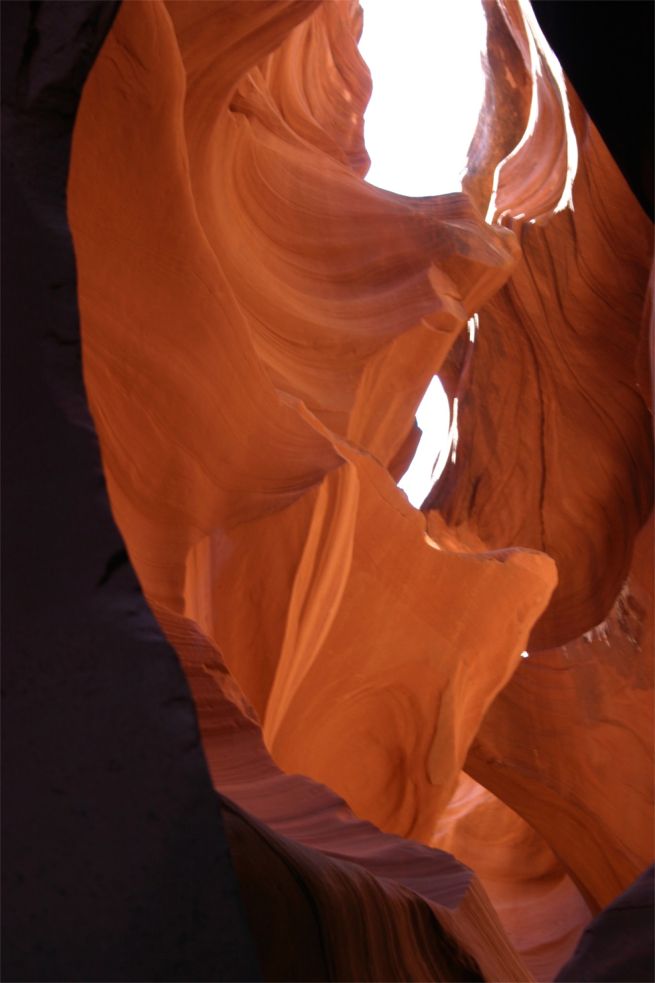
x=356, y=903
x=577, y=711
x=258, y=327
x=369, y=652
x=537, y=902
x=205, y=512
x=555, y=434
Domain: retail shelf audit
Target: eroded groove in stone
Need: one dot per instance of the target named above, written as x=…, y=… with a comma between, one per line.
x=259, y=326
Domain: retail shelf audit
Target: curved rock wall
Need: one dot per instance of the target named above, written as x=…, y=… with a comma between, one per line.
x=259, y=326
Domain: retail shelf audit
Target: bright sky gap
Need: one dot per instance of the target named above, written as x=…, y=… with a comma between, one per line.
x=428, y=87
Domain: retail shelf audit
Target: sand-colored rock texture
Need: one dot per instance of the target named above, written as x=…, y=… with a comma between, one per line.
x=258, y=328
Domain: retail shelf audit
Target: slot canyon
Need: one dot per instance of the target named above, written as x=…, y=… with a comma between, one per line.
x=264, y=719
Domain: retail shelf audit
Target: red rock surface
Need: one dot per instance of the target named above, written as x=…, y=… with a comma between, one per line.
x=391, y=908
x=552, y=739
x=537, y=902
x=259, y=326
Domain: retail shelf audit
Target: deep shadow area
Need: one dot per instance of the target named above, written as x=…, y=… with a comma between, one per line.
x=606, y=49
x=115, y=863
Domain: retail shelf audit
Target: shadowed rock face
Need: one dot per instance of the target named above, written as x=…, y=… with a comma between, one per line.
x=115, y=861
x=258, y=327
x=619, y=942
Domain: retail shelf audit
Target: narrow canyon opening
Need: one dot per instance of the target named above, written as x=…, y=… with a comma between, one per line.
x=428, y=88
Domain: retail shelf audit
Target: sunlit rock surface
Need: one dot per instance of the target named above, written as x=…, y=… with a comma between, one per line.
x=258, y=327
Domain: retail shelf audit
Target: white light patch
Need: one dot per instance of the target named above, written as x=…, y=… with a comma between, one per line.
x=453, y=436
x=525, y=655
x=473, y=327
x=433, y=417
x=428, y=87
x=425, y=58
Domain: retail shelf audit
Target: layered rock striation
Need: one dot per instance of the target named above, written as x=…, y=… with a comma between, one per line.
x=258, y=327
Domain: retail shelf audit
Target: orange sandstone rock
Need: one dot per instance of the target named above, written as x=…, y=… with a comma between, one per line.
x=389, y=908
x=259, y=325
x=296, y=319
x=555, y=436
x=568, y=743
x=538, y=904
